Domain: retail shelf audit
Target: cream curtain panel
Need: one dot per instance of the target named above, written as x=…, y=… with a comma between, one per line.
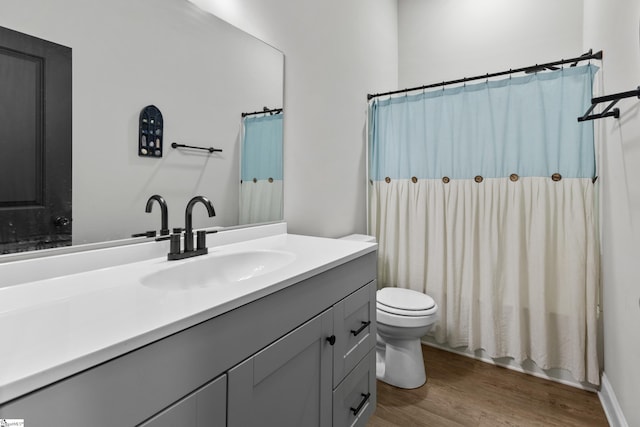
x=260, y=201
x=511, y=259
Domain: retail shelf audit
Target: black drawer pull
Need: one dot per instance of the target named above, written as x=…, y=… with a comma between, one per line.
x=362, y=328
x=365, y=397
x=332, y=339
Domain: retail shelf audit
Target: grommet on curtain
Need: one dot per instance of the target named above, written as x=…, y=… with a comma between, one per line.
x=270, y=180
x=595, y=178
x=370, y=182
x=556, y=177
x=478, y=179
x=240, y=181
x=414, y=179
x=514, y=177
x=255, y=180
x=445, y=179
x=387, y=180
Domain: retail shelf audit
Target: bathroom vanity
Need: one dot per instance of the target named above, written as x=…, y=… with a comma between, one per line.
x=291, y=345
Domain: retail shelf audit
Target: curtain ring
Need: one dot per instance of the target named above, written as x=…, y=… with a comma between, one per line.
x=445, y=179
x=255, y=180
x=478, y=179
x=270, y=180
x=514, y=177
x=387, y=180
x=556, y=177
x=414, y=179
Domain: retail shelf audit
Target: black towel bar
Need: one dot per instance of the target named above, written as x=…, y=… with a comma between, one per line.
x=209, y=149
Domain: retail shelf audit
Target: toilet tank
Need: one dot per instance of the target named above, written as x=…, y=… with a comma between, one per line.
x=359, y=238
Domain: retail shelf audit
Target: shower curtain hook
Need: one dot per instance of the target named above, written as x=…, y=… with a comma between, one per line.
x=487, y=81
x=509, y=73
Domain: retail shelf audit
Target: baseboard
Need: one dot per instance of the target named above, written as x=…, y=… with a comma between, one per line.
x=535, y=371
x=610, y=404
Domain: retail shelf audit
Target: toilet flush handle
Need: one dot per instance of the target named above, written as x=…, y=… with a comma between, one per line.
x=332, y=339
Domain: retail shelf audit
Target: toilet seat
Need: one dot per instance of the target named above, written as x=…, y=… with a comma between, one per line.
x=405, y=302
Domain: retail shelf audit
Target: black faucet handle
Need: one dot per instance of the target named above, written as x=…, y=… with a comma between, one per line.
x=151, y=233
x=201, y=239
x=174, y=244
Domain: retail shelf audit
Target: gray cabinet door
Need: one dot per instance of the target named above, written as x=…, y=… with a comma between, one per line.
x=205, y=407
x=288, y=383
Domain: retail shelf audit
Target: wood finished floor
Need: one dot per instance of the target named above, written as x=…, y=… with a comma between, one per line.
x=461, y=391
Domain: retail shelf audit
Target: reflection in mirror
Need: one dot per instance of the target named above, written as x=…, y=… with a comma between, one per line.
x=261, y=167
x=200, y=71
x=35, y=133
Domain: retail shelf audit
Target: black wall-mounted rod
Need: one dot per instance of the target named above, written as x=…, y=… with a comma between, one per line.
x=265, y=111
x=531, y=68
x=608, y=111
x=209, y=149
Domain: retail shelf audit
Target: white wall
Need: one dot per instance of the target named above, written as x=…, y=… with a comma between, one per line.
x=614, y=27
x=200, y=71
x=443, y=40
x=335, y=53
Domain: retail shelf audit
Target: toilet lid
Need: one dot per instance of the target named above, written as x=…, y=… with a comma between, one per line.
x=405, y=302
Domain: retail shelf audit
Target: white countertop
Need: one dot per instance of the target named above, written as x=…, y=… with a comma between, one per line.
x=53, y=328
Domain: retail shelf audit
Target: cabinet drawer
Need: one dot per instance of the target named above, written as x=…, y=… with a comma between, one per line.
x=354, y=401
x=205, y=407
x=355, y=330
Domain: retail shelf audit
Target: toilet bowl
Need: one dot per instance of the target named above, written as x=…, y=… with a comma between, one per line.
x=403, y=316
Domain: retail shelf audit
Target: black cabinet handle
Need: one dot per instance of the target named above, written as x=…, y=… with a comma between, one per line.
x=332, y=339
x=362, y=328
x=365, y=397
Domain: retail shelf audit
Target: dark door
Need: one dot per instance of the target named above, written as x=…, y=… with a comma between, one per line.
x=35, y=143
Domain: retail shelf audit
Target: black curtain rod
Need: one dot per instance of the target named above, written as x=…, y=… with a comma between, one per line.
x=264, y=111
x=530, y=69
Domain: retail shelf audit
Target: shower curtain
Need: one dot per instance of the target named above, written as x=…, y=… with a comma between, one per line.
x=261, y=169
x=482, y=196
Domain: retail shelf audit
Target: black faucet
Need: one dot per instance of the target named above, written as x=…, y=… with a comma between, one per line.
x=163, y=208
x=189, y=251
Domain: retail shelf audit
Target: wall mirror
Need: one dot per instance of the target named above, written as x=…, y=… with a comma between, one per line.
x=201, y=73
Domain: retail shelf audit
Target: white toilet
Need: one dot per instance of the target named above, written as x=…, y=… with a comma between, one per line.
x=403, y=316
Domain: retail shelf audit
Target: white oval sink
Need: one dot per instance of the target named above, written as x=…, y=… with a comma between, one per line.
x=214, y=270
